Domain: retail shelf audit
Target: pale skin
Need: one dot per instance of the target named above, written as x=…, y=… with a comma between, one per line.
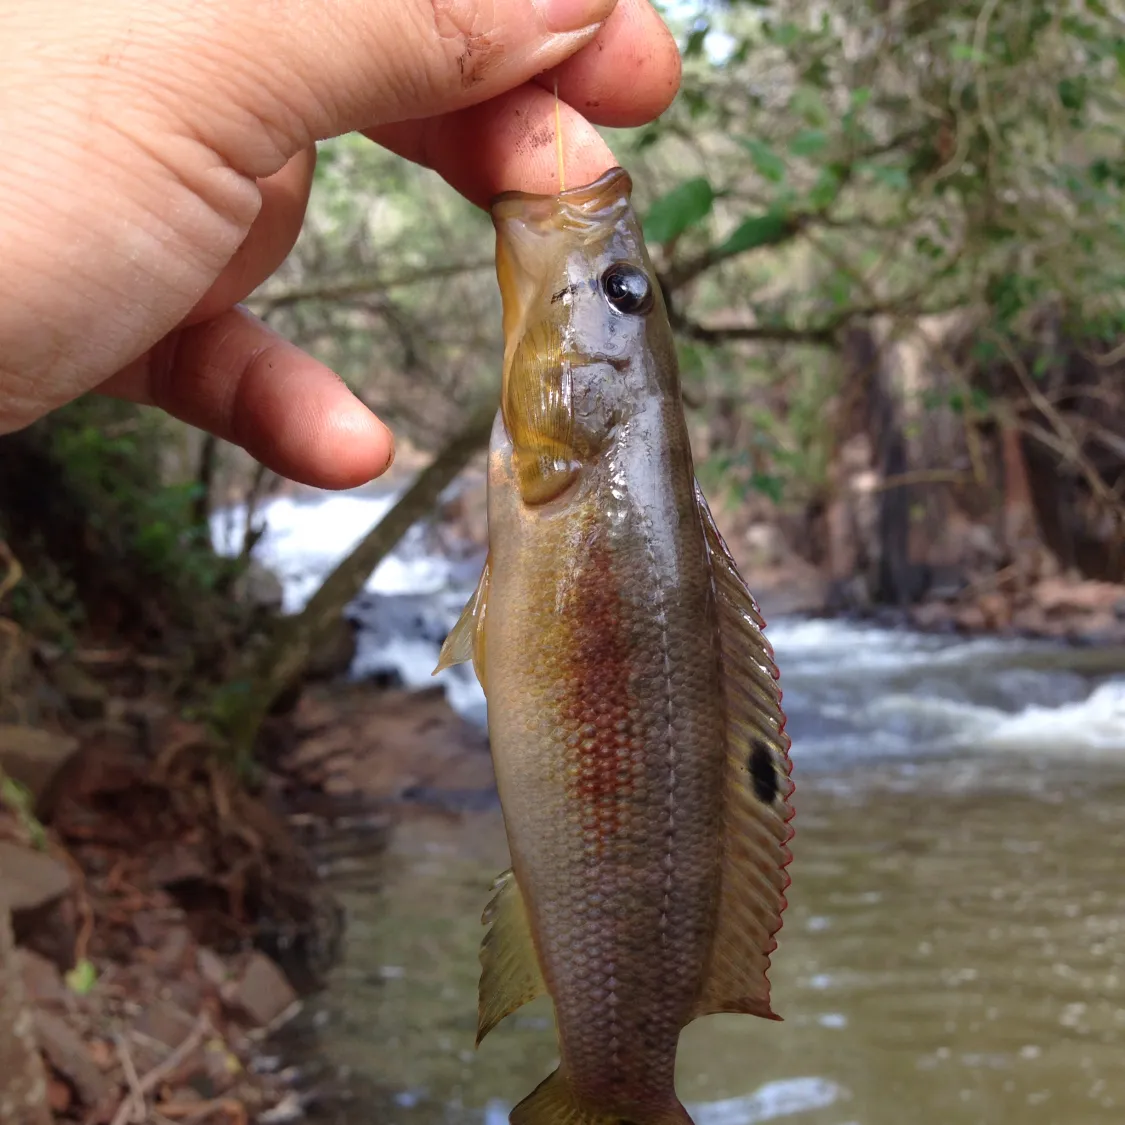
x=157, y=160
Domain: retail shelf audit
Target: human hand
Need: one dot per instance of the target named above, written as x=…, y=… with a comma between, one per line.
x=158, y=159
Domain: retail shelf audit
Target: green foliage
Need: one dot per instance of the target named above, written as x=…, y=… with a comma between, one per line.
x=19, y=799
x=82, y=978
x=904, y=160
x=684, y=206
x=111, y=456
x=756, y=231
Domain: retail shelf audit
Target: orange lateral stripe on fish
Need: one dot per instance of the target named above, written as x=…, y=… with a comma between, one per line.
x=633, y=704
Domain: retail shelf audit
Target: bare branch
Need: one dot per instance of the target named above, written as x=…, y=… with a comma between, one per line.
x=361, y=286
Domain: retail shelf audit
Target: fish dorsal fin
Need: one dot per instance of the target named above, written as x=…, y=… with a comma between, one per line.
x=756, y=808
x=466, y=639
x=510, y=975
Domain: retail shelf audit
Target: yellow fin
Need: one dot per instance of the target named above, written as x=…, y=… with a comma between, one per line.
x=510, y=975
x=552, y=1102
x=757, y=789
x=466, y=638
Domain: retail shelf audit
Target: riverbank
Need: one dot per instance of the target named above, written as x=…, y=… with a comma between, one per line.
x=166, y=919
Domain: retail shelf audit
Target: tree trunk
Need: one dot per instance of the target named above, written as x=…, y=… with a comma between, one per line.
x=23, y=1084
x=298, y=637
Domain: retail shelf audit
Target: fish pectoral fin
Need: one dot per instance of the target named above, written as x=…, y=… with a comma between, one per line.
x=756, y=792
x=466, y=639
x=510, y=974
x=552, y=1102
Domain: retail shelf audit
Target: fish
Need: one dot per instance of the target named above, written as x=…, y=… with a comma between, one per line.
x=634, y=707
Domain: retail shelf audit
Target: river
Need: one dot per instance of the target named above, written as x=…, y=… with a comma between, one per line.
x=954, y=948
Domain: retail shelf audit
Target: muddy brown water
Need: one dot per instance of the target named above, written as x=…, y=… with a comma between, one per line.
x=953, y=952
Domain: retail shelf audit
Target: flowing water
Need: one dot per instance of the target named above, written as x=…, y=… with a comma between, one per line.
x=954, y=948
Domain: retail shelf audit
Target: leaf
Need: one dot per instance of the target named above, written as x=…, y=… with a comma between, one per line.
x=963, y=52
x=758, y=230
x=808, y=103
x=888, y=175
x=826, y=188
x=682, y=207
x=82, y=978
x=1072, y=93
x=768, y=485
x=809, y=142
x=766, y=161
x=696, y=40
x=19, y=798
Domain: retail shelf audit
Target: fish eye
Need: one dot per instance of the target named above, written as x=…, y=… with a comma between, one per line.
x=627, y=289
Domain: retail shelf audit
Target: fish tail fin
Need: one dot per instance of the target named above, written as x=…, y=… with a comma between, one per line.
x=552, y=1102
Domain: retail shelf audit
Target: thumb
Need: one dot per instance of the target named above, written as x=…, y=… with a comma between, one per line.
x=226, y=68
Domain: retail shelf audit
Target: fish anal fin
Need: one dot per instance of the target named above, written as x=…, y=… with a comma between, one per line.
x=553, y=1102
x=466, y=639
x=510, y=974
x=756, y=798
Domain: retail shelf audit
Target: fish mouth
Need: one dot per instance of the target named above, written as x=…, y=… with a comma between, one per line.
x=578, y=206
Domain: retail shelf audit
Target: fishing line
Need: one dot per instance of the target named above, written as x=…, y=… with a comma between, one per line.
x=558, y=139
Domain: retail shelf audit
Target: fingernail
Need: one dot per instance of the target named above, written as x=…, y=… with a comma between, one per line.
x=573, y=15
x=390, y=452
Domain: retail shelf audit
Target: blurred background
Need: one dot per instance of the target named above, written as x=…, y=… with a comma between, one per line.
x=247, y=839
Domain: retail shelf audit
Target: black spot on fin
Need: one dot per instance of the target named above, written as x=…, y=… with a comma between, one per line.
x=763, y=774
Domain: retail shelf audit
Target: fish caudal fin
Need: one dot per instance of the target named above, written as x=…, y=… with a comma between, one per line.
x=552, y=1102
x=466, y=638
x=756, y=807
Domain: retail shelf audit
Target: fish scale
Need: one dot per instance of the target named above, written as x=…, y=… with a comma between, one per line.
x=633, y=706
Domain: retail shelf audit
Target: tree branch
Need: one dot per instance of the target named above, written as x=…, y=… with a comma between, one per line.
x=361, y=286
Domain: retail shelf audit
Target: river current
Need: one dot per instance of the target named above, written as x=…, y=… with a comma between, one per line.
x=954, y=948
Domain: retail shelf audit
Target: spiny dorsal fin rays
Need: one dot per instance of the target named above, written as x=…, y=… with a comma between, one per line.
x=756, y=808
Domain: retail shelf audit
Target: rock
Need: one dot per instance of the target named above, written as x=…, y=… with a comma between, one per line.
x=289, y=1109
x=23, y=1084
x=29, y=879
x=176, y=952
x=34, y=757
x=36, y=888
x=411, y=742
x=164, y=1022
x=262, y=992
x=970, y=619
x=68, y=1055
x=1060, y=595
x=212, y=967
x=177, y=863
x=996, y=609
x=43, y=982
x=85, y=697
